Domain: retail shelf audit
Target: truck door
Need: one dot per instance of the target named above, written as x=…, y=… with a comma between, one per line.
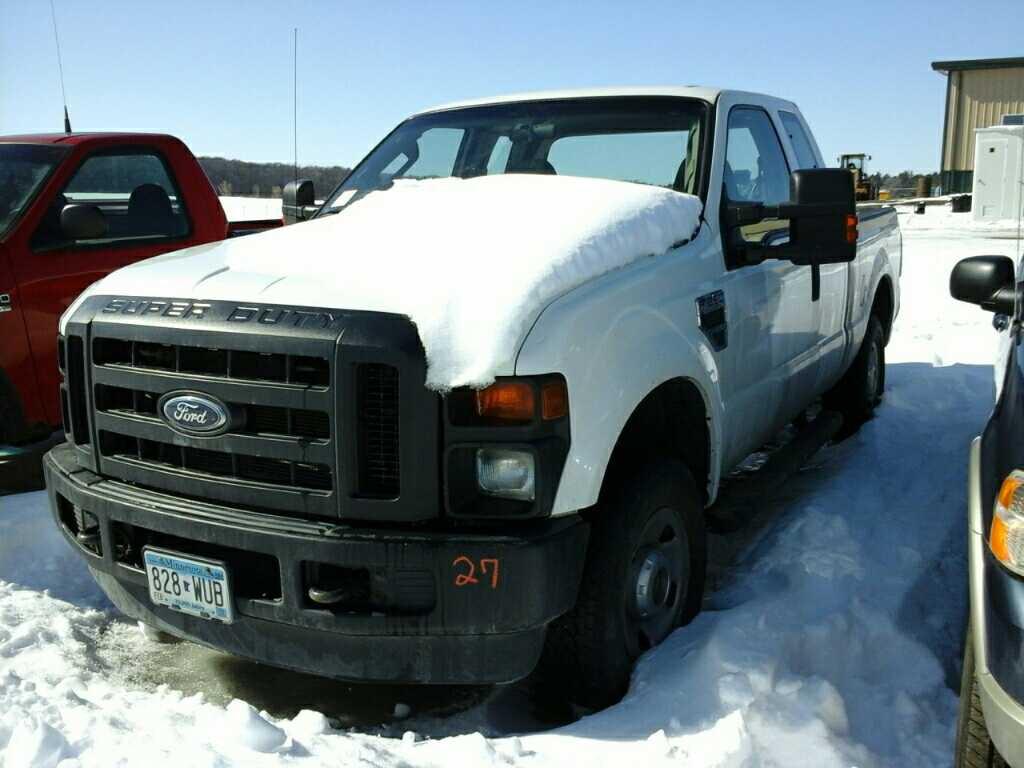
x=20, y=404
x=828, y=314
x=144, y=214
x=772, y=336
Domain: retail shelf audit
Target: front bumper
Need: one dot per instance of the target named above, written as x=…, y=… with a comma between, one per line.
x=997, y=634
x=447, y=607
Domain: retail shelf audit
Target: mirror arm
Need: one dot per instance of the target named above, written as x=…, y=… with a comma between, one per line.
x=752, y=213
x=1002, y=302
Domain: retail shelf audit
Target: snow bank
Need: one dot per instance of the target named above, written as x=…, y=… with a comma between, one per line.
x=251, y=208
x=832, y=639
x=471, y=261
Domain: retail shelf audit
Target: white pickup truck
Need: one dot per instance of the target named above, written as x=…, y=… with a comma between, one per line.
x=472, y=415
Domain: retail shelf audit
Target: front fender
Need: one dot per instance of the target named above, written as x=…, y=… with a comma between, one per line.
x=615, y=341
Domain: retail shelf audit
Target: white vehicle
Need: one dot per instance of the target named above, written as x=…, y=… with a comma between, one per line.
x=471, y=416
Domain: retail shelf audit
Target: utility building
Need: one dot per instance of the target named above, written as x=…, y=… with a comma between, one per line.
x=980, y=93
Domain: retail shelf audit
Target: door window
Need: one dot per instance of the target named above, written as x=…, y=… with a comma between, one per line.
x=134, y=193
x=756, y=171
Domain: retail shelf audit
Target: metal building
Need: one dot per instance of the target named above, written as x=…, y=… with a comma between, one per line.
x=980, y=93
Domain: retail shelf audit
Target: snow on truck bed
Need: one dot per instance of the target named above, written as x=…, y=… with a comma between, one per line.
x=832, y=639
x=471, y=261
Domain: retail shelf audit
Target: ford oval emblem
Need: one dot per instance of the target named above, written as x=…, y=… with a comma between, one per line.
x=193, y=413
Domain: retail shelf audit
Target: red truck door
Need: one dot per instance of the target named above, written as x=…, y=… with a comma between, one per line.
x=145, y=214
x=16, y=366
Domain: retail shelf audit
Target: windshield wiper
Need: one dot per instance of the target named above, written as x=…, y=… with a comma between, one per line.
x=359, y=195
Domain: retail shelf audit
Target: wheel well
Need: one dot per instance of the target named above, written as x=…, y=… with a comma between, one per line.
x=671, y=421
x=883, y=305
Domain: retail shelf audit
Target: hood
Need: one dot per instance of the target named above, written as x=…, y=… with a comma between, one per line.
x=470, y=261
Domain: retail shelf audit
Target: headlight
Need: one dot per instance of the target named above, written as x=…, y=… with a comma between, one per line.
x=1006, y=537
x=506, y=473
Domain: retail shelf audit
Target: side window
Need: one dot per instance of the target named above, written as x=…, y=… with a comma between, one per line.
x=756, y=171
x=805, y=156
x=135, y=197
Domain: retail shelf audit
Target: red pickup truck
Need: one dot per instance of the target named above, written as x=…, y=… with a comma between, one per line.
x=74, y=207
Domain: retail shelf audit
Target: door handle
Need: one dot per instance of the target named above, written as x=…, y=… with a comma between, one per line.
x=5, y=303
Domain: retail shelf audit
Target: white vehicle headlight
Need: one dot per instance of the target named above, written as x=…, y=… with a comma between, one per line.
x=506, y=473
x=1006, y=537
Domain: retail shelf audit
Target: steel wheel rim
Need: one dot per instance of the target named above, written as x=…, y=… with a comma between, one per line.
x=658, y=579
x=874, y=369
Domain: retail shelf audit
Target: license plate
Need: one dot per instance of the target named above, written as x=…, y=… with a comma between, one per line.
x=196, y=587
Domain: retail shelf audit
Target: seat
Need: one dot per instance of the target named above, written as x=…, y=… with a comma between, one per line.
x=150, y=211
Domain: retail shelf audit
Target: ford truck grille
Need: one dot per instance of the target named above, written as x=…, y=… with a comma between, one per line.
x=279, y=451
x=328, y=416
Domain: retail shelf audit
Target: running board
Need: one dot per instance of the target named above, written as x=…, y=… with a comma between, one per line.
x=740, y=502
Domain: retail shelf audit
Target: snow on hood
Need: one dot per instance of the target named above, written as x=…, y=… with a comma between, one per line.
x=470, y=261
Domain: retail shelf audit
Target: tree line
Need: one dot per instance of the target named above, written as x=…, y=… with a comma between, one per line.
x=902, y=184
x=237, y=177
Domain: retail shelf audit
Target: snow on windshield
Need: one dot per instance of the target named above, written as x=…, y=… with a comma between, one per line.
x=472, y=261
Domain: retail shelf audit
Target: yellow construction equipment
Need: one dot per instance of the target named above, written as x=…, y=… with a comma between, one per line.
x=857, y=165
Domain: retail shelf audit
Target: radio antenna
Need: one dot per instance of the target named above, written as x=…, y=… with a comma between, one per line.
x=60, y=68
x=295, y=103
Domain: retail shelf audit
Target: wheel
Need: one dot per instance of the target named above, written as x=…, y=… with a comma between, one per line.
x=974, y=748
x=643, y=577
x=862, y=386
x=154, y=635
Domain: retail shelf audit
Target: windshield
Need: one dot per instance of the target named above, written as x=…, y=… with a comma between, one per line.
x=654, y=141
x=23, y=169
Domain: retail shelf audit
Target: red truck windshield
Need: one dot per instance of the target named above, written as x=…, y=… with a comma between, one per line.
x=656, y=140
x=23, y=169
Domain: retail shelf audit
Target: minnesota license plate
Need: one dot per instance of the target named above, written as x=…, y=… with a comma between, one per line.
x=196, y=587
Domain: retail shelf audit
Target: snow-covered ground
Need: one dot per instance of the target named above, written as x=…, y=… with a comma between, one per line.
x=833, y=638
x=246, y=208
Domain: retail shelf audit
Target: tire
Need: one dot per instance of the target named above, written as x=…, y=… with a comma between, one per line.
x=643, y=577
x=862, y=386
x=974, y=748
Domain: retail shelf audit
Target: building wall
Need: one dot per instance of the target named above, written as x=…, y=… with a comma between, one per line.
x=977, y=98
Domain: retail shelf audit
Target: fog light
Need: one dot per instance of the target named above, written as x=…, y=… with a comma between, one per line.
x=501, y=472
x=1006, y=537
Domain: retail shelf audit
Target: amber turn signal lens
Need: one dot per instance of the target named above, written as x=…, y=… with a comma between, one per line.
x=997, y=540
x=1006, y=536
x=554, y=400
x=851, y=228
x=506, y=401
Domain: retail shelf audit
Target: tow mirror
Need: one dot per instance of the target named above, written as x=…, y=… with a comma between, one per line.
x=823, y=224
x=83, y=222
x=988, y=281
x=822, y=217
x=298, y=202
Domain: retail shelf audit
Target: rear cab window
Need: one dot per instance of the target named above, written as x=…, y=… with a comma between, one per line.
x=798, y=139
x=135, y=193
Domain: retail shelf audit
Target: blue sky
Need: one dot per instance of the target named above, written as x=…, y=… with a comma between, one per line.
x=219, y=74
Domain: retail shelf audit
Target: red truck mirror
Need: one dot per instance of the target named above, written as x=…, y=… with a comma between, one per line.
x=83, y=222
